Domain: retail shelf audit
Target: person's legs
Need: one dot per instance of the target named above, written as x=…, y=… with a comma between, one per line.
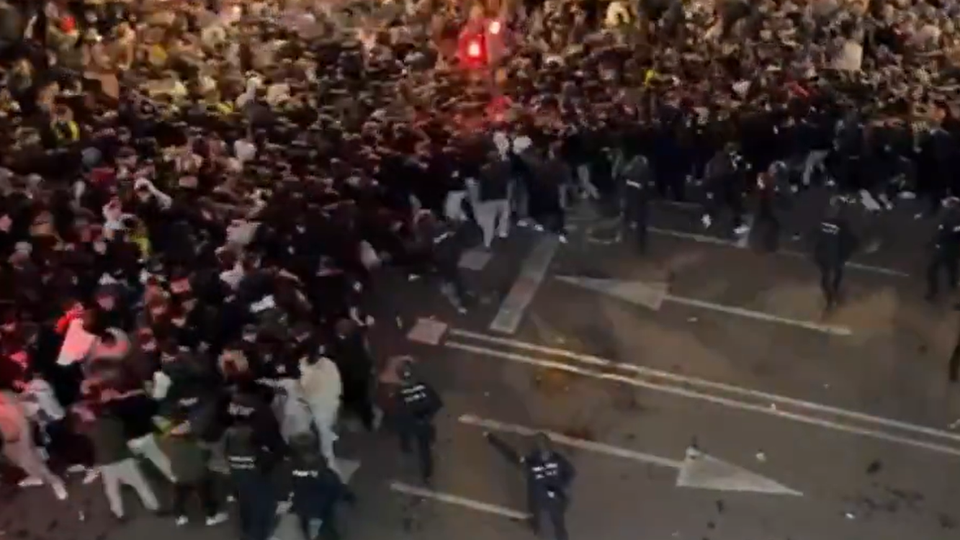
x=111, y=487
x=453, y=205
x=147, y=447
x=23, y=453
x=503, y=217
x=130, y=475
x=327, y=438
x=486, y=218
x=181, y=494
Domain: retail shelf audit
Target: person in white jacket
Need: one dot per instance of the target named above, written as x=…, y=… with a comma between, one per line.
x=322, y=390
x=19, y=448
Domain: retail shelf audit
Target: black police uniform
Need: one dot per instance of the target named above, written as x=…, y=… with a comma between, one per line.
x=417, y=404
x=636, y=199
x=548, y=476
x=834, y=244
x=316, y=490
x=255, y=492
x=945, y=255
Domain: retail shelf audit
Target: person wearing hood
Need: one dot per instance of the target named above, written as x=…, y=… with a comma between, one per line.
x=322, y=389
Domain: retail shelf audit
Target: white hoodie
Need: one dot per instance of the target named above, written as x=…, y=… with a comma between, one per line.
x=322, y=389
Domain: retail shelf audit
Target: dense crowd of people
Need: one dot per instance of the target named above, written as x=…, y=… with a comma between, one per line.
x=195, y=196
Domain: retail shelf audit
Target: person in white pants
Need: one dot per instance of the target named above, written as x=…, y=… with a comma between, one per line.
x=492, y=196
x=126, y=472
x=147, y=448
x=19, y=448
x=322, y=390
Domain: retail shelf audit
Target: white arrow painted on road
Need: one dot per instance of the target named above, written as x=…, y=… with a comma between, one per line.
x=653, y=295
x=696, y=470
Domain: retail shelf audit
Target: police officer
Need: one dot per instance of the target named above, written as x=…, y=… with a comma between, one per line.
x=945, y=249
x=417, y=404
x=834, y=245
x=636, y=198
x=548, y=475
x=249, y=472
x=315, y=489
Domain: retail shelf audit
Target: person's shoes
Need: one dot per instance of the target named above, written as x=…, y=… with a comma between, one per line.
x=60, y=491
x=217, y=519
x=741, y=230
x=503, y=235
x=76, y=469
x=523, y=223
x=562, y=238
x=182, y=520
x=538, y=227
x=413, y=277
x=30, y=481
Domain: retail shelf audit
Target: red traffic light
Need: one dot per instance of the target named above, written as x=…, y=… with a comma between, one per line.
x=475, y=49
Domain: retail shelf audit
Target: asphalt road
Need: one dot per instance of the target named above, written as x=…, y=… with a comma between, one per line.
x=806, y=427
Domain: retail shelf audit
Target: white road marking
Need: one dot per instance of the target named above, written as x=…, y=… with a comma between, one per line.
x=708, y=385
x=532, y=273
x=429, y=331
x=652, y=295
x=692, y=394
x=706, y=239
x=702, y=471
x=697, y=470
x=457, y=500
x=759, y=315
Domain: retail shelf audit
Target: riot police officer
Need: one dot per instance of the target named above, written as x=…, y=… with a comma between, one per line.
x=417, y=405
x=636, y=198
x=249, y=471
x=548, y=477
x=315, y=489
x=945, y=249
x=834, y=244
